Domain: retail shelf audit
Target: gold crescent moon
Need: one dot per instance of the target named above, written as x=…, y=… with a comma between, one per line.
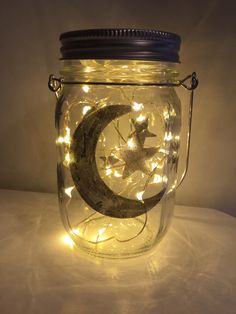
x=84, y=170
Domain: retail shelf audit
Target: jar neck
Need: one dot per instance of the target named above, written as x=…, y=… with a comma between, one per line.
x=116, y=71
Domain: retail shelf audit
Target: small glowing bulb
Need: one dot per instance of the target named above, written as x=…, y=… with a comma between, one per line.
x=108, y=172
x=172, y=112
x=131, y=143
x=141, y=118
x=66, y=138
x=88, y=69
x=154, y=165
x=157, y=178
x=137, y=107
x=101, y=231
x=166, y=115
x=139, y=195
x=177, y=137
x=164, y=151
x=76, y=231
x=67, y=158
x=168, y=136
x=124, y=66
x=69, y=190
x=117, y=174
x=86, y=109
x=85, y=88
x=67, y=240
x=60, y=140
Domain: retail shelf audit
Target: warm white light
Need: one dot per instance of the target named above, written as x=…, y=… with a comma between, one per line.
x=157, y=178
x=131, y=143
x=117, y=174
x=69, y=190
x=88, y=69
x=137, y=107
x=100, y=236
x=85, y=88
x=108, y=172
x=60, y=140
x=172, y=112
x=166, y=115
x=66, y=138
x=154, y=165
x=168, y=136
x=177, y=137
x=67, y=157
x=68, y=241
x=67, y=160
x=124, y=66
x=141, y=118
x=164, y=151
x=86, y=109
x=139, y=195
x=76, y=231
x=101, y=231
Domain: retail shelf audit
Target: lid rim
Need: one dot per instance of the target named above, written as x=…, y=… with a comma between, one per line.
x=117, y=43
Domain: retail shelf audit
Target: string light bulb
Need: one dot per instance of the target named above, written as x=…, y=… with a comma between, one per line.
x=139, y=196
x=68, y=241
x=140, y=118
x=66, y=139
x=137, y=106
x=86, y=109
x=85, y=88
x=131, y=143
x=168, y=136
x=69, y=190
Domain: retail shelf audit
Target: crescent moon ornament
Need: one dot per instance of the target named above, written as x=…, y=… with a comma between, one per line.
x=85, y=173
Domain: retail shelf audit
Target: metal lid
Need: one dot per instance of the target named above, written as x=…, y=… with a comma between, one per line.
x=121, y=43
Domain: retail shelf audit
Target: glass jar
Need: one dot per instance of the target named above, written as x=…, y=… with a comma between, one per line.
x=118, y=119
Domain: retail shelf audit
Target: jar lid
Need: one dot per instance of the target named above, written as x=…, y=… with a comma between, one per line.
x=121, y=43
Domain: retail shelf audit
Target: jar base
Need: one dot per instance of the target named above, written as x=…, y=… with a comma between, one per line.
x=113, y=238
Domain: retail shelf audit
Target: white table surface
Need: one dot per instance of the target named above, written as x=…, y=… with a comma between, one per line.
x=193, y=269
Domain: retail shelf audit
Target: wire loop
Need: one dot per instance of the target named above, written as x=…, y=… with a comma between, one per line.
x=54, y=84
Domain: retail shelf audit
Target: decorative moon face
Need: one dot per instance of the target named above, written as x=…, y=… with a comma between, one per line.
x=114, y=173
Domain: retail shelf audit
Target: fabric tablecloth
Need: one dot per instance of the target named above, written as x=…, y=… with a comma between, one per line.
x=192, y=270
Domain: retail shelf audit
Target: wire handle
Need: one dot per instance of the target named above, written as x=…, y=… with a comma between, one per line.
x=193, y=85
x=55, y=85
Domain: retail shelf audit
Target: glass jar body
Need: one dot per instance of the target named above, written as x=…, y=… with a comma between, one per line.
x=118, y=141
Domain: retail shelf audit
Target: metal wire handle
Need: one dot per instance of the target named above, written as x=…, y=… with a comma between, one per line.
x=193, y=85
x=55, y=85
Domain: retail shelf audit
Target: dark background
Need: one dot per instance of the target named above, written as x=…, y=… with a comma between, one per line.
x=29, y=34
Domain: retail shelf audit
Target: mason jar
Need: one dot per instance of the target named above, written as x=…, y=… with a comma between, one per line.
x=118, y=120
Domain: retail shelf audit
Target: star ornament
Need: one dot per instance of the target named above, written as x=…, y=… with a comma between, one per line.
x=136, y=156
x=136, y=160
x=141, y=131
